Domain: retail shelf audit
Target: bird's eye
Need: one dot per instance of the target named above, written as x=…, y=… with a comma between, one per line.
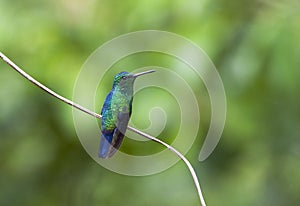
x=124, y=77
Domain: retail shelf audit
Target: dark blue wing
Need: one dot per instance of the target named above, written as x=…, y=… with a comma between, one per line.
x=119, y=132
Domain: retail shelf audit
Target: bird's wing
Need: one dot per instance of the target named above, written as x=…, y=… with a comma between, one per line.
x=119, y=132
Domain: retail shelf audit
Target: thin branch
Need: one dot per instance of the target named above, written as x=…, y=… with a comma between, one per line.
x=73, y=104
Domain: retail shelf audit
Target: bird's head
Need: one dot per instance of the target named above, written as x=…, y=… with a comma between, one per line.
x=126, y=79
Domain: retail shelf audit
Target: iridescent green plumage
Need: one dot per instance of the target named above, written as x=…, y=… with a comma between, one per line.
x=116, y=112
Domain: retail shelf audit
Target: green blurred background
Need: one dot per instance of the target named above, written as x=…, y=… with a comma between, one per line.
x=255, y=47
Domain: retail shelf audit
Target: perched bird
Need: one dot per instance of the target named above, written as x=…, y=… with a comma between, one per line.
x=116, y=112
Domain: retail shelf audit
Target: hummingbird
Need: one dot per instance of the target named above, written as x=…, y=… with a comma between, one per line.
x=116, y=112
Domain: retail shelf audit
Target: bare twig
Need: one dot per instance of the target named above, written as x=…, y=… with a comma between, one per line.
x=73, y=104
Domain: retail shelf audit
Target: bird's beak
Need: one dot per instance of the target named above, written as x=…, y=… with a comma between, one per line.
x=142, y=73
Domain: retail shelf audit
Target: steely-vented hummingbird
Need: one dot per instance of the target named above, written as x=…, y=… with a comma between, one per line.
x=116, y=112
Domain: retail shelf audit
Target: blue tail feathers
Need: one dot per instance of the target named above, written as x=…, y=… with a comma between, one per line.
x=105, y=144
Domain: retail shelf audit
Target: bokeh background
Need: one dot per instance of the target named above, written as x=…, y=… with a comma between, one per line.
x=253, y=44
